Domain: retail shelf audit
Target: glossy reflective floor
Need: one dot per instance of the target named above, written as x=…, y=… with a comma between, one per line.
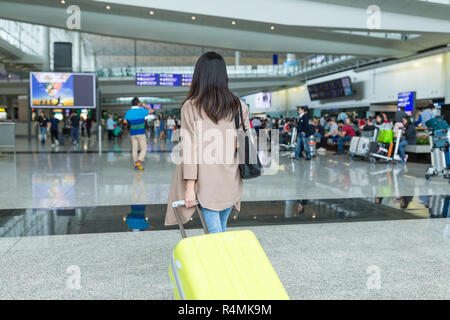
x=76, y=207
x=34, y=222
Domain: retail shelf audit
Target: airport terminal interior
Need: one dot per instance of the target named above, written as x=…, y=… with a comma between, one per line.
x=354, y=204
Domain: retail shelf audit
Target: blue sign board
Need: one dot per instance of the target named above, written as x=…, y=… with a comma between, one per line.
x=147, y=79
x=163, y=79
x=406, y=102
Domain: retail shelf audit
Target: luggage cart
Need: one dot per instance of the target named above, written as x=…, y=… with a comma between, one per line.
x=439, y=148
x=389, y=154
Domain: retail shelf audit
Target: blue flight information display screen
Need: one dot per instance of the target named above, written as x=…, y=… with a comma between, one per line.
x=163, y=79
x=406, y=102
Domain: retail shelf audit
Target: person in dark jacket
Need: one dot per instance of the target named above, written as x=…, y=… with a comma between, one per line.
x=409, y=137
x=319, y=132
x=303, y=133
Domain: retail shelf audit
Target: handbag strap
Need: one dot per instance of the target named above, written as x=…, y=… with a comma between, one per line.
x=237, y=120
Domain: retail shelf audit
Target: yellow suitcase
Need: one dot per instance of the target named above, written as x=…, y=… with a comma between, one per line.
x=223, y=266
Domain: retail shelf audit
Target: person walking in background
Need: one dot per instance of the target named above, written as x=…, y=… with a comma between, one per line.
x=43, y=123
x=170, y=127
x=110, y=127
x=75, y=128
x=428, y=114
x=135, y=117
x=217, y=186
x=61, y=126
x=88, y=126
x=162, y=128
x=54, y=133
x=82, y=126
x=303, y=133
x=157, y=125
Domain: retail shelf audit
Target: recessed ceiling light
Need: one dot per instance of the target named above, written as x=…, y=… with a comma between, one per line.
x=108, y=7
x=63, y=1
x=272, y=28
x=151, y=12
x=193, y=18
x=233, y=22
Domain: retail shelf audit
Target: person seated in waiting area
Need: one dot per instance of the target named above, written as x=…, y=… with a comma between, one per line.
x=345, y=134
x=354, y=125
x=319, y=132
x=332, y=129
x=409, y=137
x=368, y=125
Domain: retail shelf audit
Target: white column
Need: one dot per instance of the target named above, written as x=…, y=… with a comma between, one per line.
x=46, y=54
x=446, y=71
x=79, y=52
x=237, y=58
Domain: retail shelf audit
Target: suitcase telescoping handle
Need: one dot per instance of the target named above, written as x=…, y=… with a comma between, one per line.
x=181, y=203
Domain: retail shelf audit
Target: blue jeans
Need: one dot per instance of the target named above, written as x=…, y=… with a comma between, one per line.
x=216, y=221
x=301, y=139
x=75, y=134
x=401, y=149
x=169, y=134
x=43, y=134
x=340, y=141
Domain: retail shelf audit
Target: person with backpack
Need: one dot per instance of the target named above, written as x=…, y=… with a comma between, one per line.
x=135, y=117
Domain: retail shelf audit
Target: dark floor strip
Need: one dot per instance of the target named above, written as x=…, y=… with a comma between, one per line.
x=33, y=222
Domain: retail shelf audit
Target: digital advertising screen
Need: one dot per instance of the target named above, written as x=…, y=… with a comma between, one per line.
x=65, y=90
x=331, y=89
x=406, y=102
x=263, y=100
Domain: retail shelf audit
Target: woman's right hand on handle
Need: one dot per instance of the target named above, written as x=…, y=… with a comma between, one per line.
x=189, y=194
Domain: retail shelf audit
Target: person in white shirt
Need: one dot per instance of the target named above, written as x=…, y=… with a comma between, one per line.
x=170, y=127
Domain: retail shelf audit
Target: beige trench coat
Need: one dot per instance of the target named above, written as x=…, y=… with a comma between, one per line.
x=218, y=184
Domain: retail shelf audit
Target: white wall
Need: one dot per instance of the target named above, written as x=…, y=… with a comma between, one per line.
x=426, y=76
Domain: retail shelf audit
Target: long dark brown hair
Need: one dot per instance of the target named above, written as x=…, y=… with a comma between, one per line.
x=209, y=89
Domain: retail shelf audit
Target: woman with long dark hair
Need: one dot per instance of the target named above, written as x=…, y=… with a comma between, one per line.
x=209, y=175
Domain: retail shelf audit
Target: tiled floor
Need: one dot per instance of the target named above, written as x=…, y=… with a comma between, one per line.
x=313, y=258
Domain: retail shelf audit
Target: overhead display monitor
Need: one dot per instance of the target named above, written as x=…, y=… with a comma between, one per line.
x=163, y=79
x=406, y=102
x=68, y=90
x=331, y=89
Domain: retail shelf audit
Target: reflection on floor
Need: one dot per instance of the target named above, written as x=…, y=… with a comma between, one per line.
x=29, y=222
x=58, y=180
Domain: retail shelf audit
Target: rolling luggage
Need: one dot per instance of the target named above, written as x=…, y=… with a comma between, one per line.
x=362, y=147
x=225, y=266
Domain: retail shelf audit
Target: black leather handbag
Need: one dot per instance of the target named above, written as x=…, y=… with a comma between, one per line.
x=249, y=169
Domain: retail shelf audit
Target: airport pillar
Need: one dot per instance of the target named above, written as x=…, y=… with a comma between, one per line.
x=47, y=52
x=446, y=71
x=80, y=51
x=23, y=105
x=237, y=58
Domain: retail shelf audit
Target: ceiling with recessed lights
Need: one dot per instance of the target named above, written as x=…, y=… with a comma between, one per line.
x=303, y=27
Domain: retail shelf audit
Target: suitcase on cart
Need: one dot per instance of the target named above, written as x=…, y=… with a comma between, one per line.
x=225, y=266
x=362, y=147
